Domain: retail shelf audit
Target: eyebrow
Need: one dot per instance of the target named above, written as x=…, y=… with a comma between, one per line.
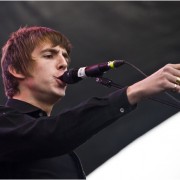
x=55, y=51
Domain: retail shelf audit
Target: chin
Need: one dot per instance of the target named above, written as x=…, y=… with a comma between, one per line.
x=61, y=94
x=58, y=94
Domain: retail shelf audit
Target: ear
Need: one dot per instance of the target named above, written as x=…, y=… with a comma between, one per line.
x=14, y=72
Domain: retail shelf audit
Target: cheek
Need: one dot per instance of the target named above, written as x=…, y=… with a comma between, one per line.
x=46, y=66
x=31, y=83
x=42, y=71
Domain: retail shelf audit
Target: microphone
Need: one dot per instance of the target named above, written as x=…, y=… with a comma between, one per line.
x=75, y=75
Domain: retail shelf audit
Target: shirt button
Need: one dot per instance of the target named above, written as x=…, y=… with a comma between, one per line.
x=122, y=110
x=40, y=114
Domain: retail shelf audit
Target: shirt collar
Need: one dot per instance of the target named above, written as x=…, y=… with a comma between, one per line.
x=25, y=108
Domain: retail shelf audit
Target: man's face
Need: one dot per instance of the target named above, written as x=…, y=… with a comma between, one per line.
x=50, y=63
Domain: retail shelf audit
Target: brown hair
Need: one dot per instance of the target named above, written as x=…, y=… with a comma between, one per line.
x=17, y=52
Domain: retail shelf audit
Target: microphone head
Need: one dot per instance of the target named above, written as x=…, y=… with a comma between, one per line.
x=70, y=76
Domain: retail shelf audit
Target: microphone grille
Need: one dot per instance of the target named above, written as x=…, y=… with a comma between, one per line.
x=70, y=76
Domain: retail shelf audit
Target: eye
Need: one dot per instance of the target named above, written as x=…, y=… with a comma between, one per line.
x=48, y=56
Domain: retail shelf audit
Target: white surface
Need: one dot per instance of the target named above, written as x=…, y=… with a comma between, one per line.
x=153, y=156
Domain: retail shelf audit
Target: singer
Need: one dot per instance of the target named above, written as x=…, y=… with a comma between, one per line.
x=36, y=145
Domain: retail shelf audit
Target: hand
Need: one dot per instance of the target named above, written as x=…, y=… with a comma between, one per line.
x=166, y=78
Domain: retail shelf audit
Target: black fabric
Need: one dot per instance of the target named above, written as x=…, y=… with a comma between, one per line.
x=40, y=147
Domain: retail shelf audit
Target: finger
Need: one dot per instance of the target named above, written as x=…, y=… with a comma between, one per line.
x=178, y=80
x=175, y=87
x=174, y=79
x=170, y=78
x=175, y=66
x=171, y=69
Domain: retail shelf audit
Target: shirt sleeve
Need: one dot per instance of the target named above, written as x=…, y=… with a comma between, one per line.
x=25, y=138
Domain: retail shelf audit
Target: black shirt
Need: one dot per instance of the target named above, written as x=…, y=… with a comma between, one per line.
x=34, y=146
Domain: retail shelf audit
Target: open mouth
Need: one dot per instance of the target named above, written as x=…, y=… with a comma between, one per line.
x=61, y=83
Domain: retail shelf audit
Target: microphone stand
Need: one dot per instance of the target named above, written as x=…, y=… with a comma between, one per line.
x=109, y=83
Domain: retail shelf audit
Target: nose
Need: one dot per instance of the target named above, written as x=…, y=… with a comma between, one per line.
x=62, y=67
x=62, y=64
